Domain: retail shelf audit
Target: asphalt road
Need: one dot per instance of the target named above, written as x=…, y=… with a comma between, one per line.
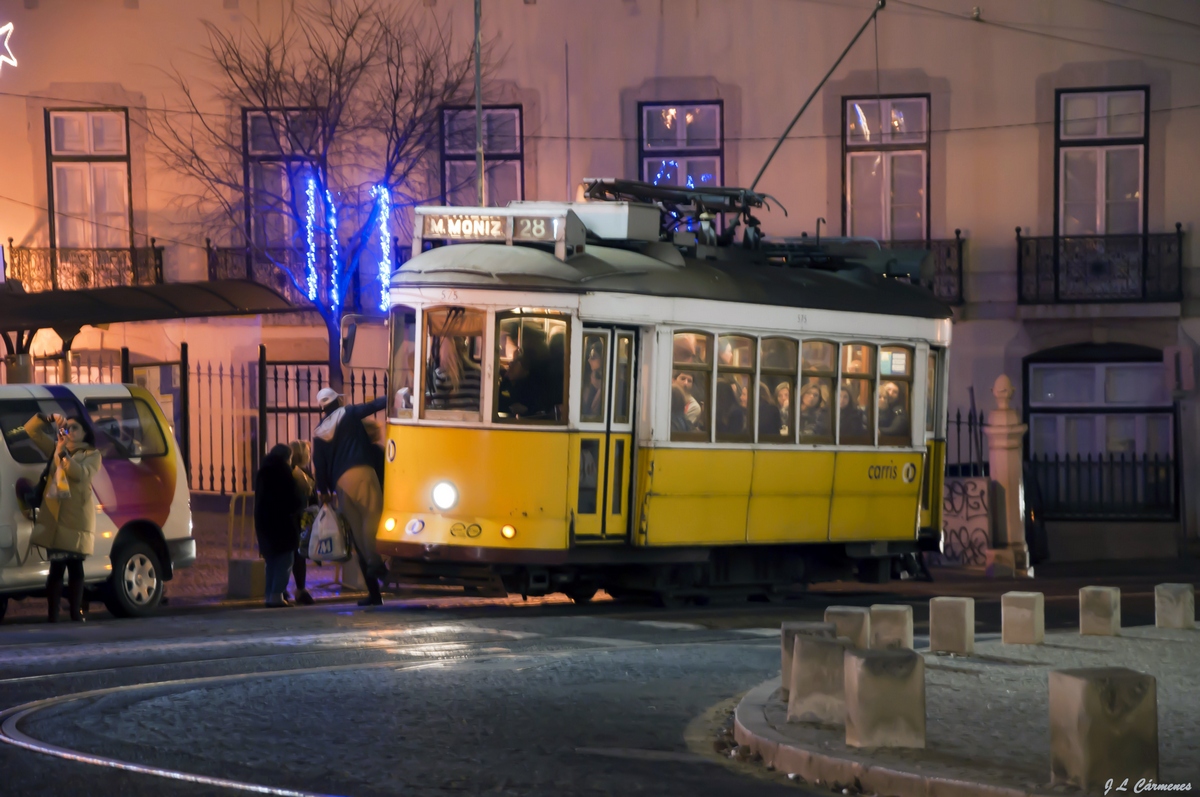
x=420, y=697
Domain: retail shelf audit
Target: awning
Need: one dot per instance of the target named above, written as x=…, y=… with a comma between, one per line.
x=174, y=300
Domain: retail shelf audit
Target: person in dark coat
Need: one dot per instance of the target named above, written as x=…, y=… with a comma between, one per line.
x=277, y=508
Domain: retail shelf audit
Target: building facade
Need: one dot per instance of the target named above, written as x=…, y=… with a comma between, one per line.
x=1043, y=151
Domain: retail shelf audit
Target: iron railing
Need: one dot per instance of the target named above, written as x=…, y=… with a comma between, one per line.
x=1106, y=487
x=55, y=269
x=946, y=282
x=278, y=268
x=966, y=450
x=1100, y=268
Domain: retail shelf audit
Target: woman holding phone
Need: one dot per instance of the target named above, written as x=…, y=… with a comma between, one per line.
x=66, y=521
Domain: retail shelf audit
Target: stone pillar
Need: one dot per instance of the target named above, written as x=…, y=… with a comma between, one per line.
x=1103, y=725
x=885, y=698
x=1100, y=611
x=1175, y=606
x=852, y=622
x=891, y=626
x=1009, y=554
x=818, y=691
x=1022, y=618
x=952, y=625
x=788, y=631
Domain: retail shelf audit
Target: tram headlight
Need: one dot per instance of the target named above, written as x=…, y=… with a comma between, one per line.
x=508, y=532
x=445, y=495
x=389, y=524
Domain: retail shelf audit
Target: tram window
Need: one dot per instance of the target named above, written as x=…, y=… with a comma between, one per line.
x=531, y=368
x=856, y=416
x=818, y=372
x=453, y=359
x=776, y=391
x=404, y=347
x=624, y=368
x=895, y=396
x=930, y=392
x=690, y=383
x=589, y=473
x=735, y=376
x=595, y=363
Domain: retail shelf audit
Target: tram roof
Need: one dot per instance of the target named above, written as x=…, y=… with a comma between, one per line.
x=661, y=269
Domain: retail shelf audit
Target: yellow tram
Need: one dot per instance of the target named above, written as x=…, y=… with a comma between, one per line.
x=582, y=401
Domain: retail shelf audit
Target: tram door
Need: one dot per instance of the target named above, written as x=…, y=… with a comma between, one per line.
x=601, y=460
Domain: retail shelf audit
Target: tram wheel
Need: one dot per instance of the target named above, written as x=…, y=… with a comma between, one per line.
x=581, y=594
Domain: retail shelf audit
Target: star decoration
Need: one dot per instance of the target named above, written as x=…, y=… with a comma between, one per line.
x=6, y=56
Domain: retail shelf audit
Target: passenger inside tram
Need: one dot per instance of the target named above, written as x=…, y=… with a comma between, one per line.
x=592, y=405
x=456, y=377
x=783, y=403
x=770, y=419
x=731, y=410
x=692, y=407
x=814, y=410
x=679, y=419
x=852, y=418
x=893, y=409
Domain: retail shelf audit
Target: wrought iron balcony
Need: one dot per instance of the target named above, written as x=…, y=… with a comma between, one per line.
x=1100, y=268
x=266, y=266
x=56, y=269
x=946, y=282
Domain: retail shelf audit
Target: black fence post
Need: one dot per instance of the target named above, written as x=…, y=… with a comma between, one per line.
x=126, y=368
x=1020, y=270
x=261, y=451
x=184, y=433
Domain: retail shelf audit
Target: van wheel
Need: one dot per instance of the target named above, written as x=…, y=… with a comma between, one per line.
x=3, y=605
x=134, y=588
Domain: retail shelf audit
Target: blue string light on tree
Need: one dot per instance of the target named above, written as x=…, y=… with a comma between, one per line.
x=310, y=233
x=335, y=294
x=384, y=197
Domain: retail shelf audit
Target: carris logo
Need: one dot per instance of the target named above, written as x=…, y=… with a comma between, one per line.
x=909, y=473
x=876, y=472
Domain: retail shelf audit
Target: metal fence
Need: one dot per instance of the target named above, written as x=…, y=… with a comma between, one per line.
x=1100, y=268
x=946, y=280
x=966, y=449
x=1106, y=487
x=44, y=269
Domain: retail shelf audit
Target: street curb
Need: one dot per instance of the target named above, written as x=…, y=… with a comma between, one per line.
x=751, y=729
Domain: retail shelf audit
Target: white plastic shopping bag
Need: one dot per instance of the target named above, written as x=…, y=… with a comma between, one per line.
x=329, y=541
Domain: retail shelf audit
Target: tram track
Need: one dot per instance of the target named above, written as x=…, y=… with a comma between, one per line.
x=483, y=651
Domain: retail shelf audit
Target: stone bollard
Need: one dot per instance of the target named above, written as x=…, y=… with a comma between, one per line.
x=1175, y=606
x=1023, y=618
x=818, y=692
x=952, y=625
x=885, y=698
x=891, y=626
x=1100, y=611
x=788, y=632
x=1103, y=724
x=853, y=622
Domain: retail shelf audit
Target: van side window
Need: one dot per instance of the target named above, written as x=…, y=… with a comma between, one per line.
x=15, y=414
x=126, y=429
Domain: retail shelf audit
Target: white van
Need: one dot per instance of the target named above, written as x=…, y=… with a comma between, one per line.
x=143, y=509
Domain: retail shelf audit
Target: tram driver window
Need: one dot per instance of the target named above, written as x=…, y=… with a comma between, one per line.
x=856, y=418
x=690, y=375
x=404, y=346
x=453, y=359
x=818, y=372
x=735, y=374
x=531, y=368
x=592, y=381
x=895, y=396
x=776, y=388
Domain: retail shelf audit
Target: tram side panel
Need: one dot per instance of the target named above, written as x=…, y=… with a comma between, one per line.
x=876, y=496
x=790, y=496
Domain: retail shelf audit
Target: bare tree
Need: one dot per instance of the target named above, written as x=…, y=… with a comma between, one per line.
x=305, y=138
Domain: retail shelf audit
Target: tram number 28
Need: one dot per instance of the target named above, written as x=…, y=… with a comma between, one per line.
x=532, y=229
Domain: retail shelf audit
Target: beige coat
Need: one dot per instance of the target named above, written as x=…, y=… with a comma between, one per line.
x=68, y=523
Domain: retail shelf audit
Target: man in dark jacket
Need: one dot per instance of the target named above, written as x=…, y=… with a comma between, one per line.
x=277, y=508
x=342, y=461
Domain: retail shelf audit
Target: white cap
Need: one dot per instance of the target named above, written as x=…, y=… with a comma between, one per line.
x=327, y=396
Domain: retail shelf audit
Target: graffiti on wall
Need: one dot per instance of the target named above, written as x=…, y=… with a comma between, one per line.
x=966, y=522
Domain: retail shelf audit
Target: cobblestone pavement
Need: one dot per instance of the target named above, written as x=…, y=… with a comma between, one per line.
x=425, y=696
x=392, y=701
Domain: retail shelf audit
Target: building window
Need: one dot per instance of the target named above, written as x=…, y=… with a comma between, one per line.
x=885, y=183
x=89, y=178
x=1101, y=147
x=682, y=144
x=1100, y=409
x=280, y=149
x=503, y=156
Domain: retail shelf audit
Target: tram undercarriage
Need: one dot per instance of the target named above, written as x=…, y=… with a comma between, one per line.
x=670, y=577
